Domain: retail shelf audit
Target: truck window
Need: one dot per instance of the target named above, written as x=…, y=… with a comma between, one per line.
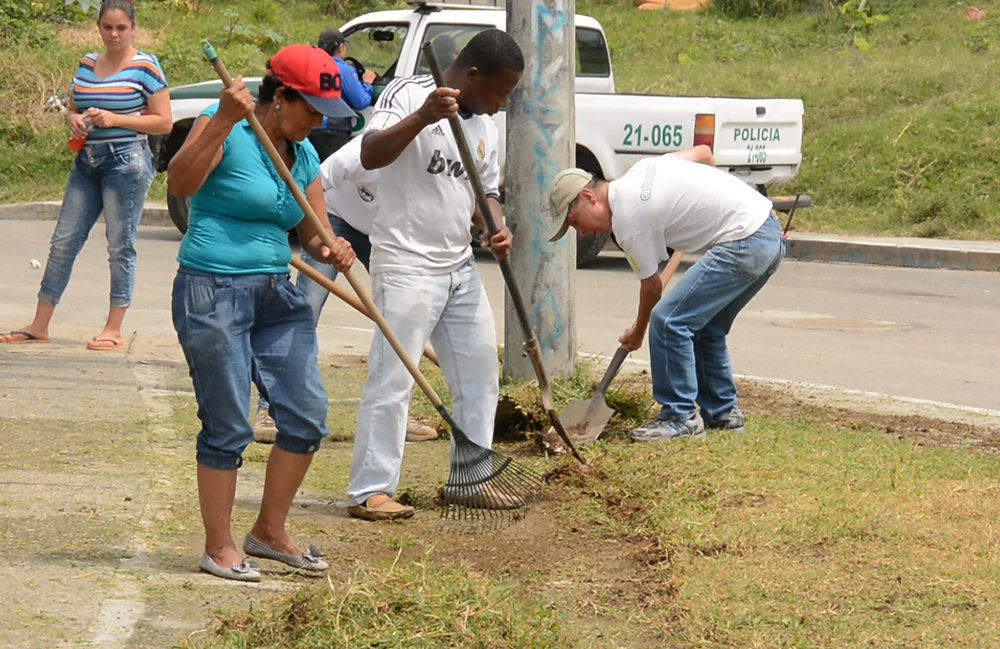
x=447, y=41
x=591, y=54
x=377, y=47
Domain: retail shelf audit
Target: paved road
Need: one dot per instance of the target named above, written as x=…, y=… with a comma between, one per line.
x=916, y=333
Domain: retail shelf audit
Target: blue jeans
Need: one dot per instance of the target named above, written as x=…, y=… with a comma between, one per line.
x=114, y=178
x=688, y=328
x=314, y=294
x=235, y=329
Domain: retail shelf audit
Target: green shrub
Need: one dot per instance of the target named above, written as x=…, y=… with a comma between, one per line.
x=22, y=19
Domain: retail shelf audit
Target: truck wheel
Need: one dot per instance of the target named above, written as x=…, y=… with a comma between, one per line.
x=178, y=206
x=588, y=249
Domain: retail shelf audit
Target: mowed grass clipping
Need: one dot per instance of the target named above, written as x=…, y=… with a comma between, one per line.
x=810, y=531
x=417, y=604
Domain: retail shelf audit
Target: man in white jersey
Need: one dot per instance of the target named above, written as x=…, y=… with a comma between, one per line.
x=681, y=200
x=424, y=277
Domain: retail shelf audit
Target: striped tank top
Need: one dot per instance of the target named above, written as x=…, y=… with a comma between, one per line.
x=126, y=92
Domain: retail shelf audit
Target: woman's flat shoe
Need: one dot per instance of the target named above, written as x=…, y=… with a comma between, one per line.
x=311, y=560
x=243, y=571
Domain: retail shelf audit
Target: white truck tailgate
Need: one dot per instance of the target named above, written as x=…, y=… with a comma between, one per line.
x=758, y=132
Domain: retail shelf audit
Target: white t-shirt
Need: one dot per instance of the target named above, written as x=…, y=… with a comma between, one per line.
x=425, y=198
x=688, y=206
x=350, y=190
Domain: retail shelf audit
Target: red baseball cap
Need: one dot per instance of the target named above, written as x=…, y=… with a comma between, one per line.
x=314, y=74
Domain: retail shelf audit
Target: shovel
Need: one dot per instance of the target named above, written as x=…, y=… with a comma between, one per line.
x=585, y=420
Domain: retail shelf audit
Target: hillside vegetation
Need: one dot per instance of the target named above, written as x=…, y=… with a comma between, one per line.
x=901, y=96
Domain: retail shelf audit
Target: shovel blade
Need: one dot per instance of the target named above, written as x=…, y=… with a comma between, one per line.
x=585, y=420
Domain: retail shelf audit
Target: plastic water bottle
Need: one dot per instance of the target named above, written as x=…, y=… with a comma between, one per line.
x=76, y=144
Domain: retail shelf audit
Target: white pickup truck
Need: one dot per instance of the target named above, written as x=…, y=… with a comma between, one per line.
x=758, y=140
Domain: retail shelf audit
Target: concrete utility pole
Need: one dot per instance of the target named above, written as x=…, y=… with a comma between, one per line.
x=541, y=141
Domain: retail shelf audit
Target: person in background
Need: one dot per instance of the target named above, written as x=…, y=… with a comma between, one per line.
x=335, y=133
x=238, y=317
x=118, y=97
x=445, y=49
x=683, y=201
x=327, y=139
x=351, y=195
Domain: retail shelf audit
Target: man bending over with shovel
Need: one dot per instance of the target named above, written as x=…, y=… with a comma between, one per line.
x=424, y=277
x=681, y=200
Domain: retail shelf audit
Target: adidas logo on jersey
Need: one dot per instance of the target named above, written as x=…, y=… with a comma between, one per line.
x=440, y=164
x=437, y=130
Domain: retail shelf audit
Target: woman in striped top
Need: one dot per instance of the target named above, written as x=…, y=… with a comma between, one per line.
x=119, y=96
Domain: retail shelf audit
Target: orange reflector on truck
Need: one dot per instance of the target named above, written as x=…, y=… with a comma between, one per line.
x=704, y=130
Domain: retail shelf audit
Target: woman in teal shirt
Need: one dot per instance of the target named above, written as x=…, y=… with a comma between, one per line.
x=237, y=315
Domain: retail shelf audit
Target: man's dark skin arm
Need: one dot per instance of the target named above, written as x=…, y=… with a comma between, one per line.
x=380, y=148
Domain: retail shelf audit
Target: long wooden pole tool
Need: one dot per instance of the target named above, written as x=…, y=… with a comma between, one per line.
x=531, y=346
x=347, y=297
x=327, y=240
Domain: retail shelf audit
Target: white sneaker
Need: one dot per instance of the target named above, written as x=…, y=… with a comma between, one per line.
x=264, y=428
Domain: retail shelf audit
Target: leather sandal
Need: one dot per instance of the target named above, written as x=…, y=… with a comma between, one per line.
x=380, y=507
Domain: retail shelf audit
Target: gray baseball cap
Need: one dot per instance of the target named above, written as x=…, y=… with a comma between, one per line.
x=565, y=188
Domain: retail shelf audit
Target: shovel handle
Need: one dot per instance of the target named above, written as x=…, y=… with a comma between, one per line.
x=668, y=272
x=531, y=346
x=612, y=371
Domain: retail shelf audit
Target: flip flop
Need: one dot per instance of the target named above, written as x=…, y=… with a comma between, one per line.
x=28, y=338
x=95, y=344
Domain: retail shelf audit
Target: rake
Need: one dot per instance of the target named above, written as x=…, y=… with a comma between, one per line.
x=531, y=346
x=485, y=490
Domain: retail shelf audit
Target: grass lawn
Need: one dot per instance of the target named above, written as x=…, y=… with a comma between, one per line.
x=819, y=528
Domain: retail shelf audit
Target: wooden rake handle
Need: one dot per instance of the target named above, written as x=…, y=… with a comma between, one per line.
x=671, y=268
x=344, y=295
x=324, y=236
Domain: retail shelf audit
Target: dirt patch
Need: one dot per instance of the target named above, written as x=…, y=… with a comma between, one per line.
x=799, y=402
x=86, y=35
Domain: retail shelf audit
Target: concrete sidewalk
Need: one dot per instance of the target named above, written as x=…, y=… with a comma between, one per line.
x=904, y=252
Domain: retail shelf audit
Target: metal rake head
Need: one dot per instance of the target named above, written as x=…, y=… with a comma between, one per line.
x=485, y=491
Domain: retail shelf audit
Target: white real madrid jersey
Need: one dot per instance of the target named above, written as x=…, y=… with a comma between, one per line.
x=425, y=200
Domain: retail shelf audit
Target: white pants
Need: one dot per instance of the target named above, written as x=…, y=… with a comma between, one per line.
x=452, y=311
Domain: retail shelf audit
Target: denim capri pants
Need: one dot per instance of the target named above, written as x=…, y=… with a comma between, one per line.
x=235, y=329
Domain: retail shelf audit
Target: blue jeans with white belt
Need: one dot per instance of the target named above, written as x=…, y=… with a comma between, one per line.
x=113, y=178
x=688, y=356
